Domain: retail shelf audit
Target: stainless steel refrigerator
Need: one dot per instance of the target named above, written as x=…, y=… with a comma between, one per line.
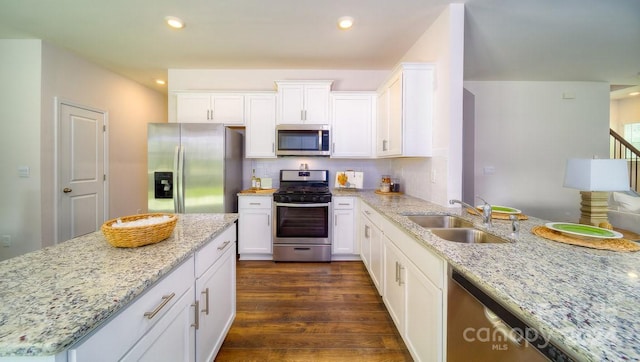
x=193, y=168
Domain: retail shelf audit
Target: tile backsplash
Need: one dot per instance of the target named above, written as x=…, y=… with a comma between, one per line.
x=372, y=169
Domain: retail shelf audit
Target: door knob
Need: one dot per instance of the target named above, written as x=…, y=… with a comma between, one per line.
x=66, y=190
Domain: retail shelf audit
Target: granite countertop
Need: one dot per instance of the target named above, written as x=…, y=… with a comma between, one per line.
x=586, y=301
x=54, y=296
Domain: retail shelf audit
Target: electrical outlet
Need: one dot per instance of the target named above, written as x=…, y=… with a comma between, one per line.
x=5, y=240
x=488, y=170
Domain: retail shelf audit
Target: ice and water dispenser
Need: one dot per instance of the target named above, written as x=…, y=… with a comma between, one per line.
x=163, y=182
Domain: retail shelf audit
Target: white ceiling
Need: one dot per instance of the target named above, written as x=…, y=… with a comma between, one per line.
x=564, y=40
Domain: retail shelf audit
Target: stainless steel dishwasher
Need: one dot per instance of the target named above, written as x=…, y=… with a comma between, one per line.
x=480, y=329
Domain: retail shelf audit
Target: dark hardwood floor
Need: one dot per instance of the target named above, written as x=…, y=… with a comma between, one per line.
x=310, y=312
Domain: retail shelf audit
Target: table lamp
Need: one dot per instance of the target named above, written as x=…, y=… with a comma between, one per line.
x=595, y=178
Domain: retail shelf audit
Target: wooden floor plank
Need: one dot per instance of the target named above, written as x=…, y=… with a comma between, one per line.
x=310, y=312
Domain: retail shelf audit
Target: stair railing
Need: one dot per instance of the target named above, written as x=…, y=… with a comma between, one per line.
x=621, y=148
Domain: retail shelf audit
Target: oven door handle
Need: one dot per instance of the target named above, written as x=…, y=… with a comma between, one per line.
x=287, y=204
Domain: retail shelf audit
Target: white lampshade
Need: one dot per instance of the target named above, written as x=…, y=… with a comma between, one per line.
x=597, y=174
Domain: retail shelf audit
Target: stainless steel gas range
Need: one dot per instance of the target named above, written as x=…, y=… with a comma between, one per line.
x=302, y=207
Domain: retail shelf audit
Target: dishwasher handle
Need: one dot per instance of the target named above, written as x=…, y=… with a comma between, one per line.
x=507, y=332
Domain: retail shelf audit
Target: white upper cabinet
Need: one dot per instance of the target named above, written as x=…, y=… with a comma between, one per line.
x=303, y=102
x=389, y=127
x=260, y=135
x=352, y=124
x=225, y=108
x=405, y=112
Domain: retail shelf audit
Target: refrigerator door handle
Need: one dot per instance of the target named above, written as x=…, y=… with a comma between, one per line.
x=176, y=179
x=181, y=176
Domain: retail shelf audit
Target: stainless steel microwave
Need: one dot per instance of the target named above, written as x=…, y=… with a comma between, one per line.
x=302, y=140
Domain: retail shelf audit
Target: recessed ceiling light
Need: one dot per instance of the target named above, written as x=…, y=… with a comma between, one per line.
x=345, y=22
x=634, y=93
x=160, y=82
x=174, y=22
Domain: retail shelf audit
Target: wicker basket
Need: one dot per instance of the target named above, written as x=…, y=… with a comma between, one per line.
x=131, y=237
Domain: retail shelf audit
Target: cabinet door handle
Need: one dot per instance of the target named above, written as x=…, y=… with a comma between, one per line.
x=333, y=147
x=224, y=245
x=302, y=115
x=335, y=220
x=206, y=301
x=397, y=269
x=268, y=220
x=165, y=300
x=254, y=203
x=366, y=231
x=273, y=147
x=196, y=309
x=400, y=269
x=367, y=212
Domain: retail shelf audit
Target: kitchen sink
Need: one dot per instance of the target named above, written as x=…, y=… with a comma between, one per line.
x=440, y=221
x=469, y=236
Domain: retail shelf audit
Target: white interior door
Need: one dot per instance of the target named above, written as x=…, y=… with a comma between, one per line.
x=81, y=174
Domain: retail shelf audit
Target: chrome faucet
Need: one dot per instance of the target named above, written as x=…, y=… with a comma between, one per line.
x=462, y=203
x=515, y=226
x=486, y=210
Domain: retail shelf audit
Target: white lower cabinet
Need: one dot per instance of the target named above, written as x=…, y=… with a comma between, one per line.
x=183, y=317
x=424, y=322
x=413, y=282
x=415, y=305
x=216, y=296
x=395, y=278
x=364, y=236
x=371, y=245
x=172, y=339
x=254, y=227
x=344, y=245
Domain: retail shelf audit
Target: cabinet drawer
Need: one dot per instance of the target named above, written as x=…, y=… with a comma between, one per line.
x=255, y=202
x=111, y=341
x=343, y=202
x=432, y=266
x=371, y=214
x=212, y=251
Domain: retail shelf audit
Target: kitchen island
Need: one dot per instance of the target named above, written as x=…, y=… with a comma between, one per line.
x=584, y=300
x=53, y=297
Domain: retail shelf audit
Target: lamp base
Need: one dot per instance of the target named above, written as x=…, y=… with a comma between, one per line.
x=593, y=208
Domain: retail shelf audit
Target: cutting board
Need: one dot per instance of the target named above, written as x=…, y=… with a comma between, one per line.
x=260, y=191
x=349, y=179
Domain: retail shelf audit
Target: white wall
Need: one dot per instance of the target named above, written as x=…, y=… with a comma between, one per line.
x=36, y=73
x=442, y=44
x=130, y=106
x=525, y=132
x=20, y=69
